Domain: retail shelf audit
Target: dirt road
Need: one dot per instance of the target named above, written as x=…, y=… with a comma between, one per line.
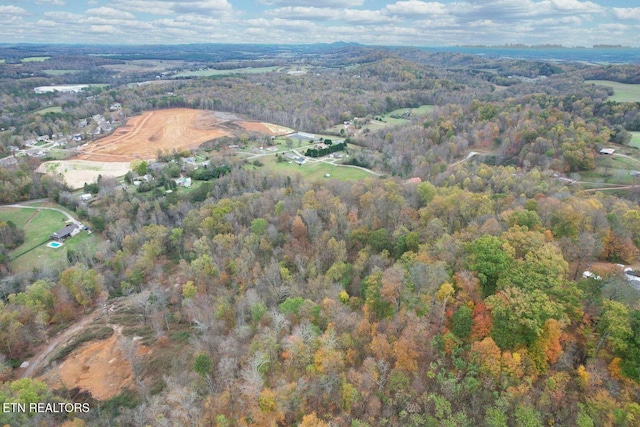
x=39, y=361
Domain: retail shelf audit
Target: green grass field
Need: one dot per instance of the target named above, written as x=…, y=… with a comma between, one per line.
x=393, y=118
x=46, y=257
x=635, y=139
x=60, y=72
x=313, y=171
x=35, y=59
x=622, y=92
x=208, y=73
x=37, y=225
x=44, y=111
x=617, y=172
x=59, y=154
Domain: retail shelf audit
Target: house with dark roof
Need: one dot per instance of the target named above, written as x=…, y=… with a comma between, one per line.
x=68, y=231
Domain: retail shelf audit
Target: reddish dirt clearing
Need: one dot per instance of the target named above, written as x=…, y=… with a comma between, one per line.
x=144, y=135
x=98, y=367
x=266, y=128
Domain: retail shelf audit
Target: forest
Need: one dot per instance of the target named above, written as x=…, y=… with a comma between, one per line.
x=264, y=299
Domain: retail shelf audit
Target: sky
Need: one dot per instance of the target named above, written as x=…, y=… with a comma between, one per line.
x=376, y=22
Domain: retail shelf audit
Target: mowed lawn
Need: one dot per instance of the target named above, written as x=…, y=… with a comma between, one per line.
x=44, y=111
x=621, y=92
x=393, y=118
x=44, y=257
x=314, y=170
x=37, y=225
x=635, y=139
x=398, y=116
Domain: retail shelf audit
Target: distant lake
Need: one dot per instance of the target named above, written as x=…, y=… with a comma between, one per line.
x=595, y=56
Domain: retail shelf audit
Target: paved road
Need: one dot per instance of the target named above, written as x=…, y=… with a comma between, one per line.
x=68, y=215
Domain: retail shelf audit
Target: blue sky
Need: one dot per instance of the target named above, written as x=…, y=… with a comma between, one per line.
x=393, y=22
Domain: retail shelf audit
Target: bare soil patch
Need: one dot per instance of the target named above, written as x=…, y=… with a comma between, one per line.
x=165, y=130
x=266, y=128
x=97, y=367
x=77, y=172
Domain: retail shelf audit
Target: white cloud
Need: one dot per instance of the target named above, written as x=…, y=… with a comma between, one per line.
x=625, y=13
x=106, y=29
x=109, y=12
x=161, y=7
x=412, y=22
x=206, y=6
x=12, y=10
x=329, y=14
x=52, y=2
x=417, y=8
x=314, y=3
x=577, y=6
x=289, y=24
x=617, y=28
x=153, y=7
x=63, y=17
x=46, y=23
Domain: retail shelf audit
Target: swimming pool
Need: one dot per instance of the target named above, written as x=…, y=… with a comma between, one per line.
x=54, y=244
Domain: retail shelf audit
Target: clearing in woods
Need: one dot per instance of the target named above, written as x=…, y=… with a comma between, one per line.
x=622, y=92
x=635, y=139
x=178, y=128
x=78, y=172
x=144, y=135
x=99, y=367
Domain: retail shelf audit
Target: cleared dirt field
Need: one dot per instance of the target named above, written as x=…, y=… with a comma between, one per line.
x=98, y=367
x=77, y=172
x=266, y=128
x=165, y=130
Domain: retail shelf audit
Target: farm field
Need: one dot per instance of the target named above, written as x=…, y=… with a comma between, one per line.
x=36, y=59
x=60, y=72
x=622, y=92
x=208, y=73
x=144, y=65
